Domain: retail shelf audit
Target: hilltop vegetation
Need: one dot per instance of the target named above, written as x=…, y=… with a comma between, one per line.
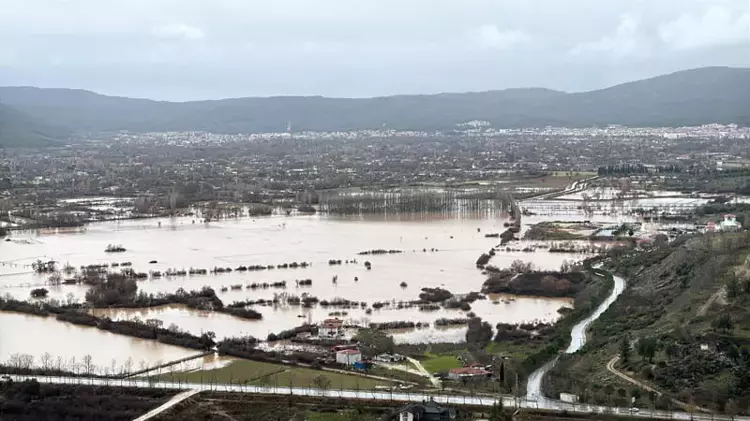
x=693, y=97
x=682, y=326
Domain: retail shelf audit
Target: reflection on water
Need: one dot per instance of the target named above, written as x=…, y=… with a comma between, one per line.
x=180, y=244
x=68, y=344
x=494, y=310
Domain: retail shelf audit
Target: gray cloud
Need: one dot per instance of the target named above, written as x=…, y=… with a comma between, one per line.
x=189, y=49
x=715, y=27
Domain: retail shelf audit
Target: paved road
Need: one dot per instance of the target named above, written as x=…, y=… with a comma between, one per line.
x=577, y=340
x=508, y=401
x=170, y=403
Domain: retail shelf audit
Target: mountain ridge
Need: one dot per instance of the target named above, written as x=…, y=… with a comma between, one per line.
x=447, y=93
x=689, y=97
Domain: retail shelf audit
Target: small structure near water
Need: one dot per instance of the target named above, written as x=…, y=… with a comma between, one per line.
x=330, y=329
x=348, y=357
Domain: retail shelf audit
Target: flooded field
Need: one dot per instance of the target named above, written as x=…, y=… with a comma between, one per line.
x=437, y=251
x=609, y=193
x=495, y=309
x=35, y=336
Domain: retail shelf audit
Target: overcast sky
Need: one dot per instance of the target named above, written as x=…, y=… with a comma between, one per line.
x=201, y=49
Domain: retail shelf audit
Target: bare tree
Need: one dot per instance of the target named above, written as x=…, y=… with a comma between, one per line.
x=55, y=279
x=154, y=324
x=46, y=361
x=15, y=361
x=519, y=266
x=73, y=365
x=322, y=382
x=88, y=366
x=128, y=365
x=27, y=361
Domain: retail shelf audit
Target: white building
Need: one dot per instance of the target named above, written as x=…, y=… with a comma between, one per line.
x=569, y=397
x=348, y=356
x=730, y=223
x=467, y=372
x=331, y=328
x=389, y=358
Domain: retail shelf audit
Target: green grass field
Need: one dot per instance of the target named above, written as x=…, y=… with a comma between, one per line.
x=441, y=362
x=327, y=416
x=575, y=174
x=506, y=349
x=256, y=373
x=305, y=377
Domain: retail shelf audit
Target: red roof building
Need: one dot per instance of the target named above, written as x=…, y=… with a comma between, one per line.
x=458, y=373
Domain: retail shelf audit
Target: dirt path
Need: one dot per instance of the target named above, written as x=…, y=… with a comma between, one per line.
x=719, y=296
x=418, y=371
x=434, y=380
x=611, y=368
x=169, y=404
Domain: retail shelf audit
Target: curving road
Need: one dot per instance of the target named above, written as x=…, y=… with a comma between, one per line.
x=577, y=340
x=534, y=398
x=611, y=368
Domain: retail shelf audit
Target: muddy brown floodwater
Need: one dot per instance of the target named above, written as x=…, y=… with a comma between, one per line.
x=179, y=243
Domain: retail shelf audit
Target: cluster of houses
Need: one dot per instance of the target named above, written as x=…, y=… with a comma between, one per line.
x=347, y=355
x=350, y=356
x=728, y=224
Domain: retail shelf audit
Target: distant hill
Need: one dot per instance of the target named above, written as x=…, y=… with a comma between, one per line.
x=692, y=97
x=20, y=130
